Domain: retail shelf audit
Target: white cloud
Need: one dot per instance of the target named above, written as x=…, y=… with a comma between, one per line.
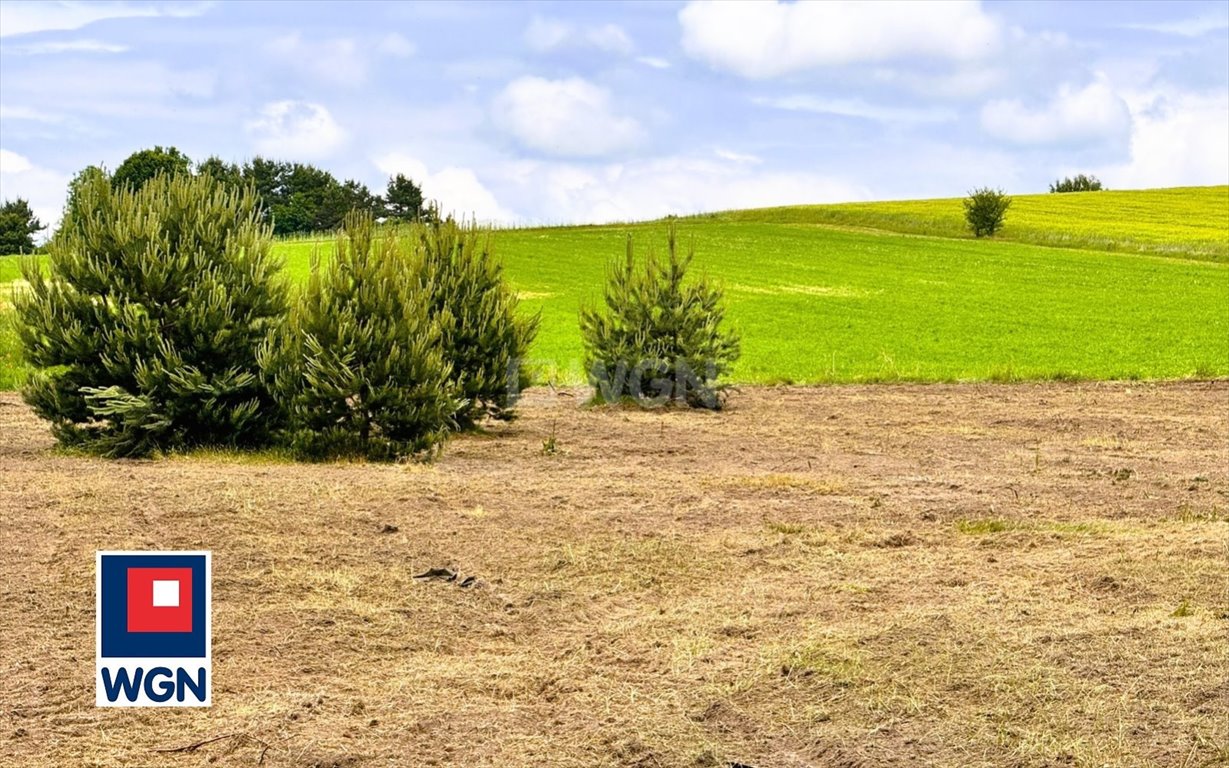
x=43, y=188
x=67, y=46
x=656, y=62
x=396, y=45
x=860, y=109
x=13, y=163
x=759, y=40
x=20, y=18
x=295, y=129
x=457, y=190
x=1196, y=26
x=1178, y=139
x=1094, y=113
x=571, y=117
x=544, y=35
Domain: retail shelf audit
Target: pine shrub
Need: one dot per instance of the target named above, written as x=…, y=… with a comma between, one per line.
x=985, y=209
x=483, y=337
x=660, y=338
x=359, y=367
x=145, y=331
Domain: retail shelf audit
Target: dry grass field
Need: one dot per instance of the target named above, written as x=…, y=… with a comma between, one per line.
x=898, y=575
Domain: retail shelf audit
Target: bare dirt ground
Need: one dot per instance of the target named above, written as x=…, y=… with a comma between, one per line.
x=1022, y=575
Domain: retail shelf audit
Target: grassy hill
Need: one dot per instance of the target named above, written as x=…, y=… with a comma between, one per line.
x=1188, y=222
x=895, y=291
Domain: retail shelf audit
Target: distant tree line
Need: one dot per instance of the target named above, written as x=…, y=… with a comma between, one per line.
x=1080, y=183
x=295, y=198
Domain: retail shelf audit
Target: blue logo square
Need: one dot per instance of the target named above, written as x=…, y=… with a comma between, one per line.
x=116, y=641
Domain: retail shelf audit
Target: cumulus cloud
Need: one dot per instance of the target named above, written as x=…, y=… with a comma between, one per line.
x=21, y=18
x=457, y=190
x=572, y=117
x=544, y=35
x=295, y=129
x=1178, y=139
x=859, y=109
x=760, y=40
x=1094, y=113
x=42, y=187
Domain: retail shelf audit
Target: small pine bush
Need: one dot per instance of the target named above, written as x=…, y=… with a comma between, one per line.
x=144, y=333
x=1079, y=183
x=359, y=367
x=483, y=337
x=985, y=209
x=660, y=338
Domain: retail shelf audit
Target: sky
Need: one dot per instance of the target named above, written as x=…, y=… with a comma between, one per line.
x=576, y=112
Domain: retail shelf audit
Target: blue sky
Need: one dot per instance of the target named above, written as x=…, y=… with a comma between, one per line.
x=574, y=112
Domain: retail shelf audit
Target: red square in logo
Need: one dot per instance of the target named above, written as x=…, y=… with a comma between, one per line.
x=159, y=599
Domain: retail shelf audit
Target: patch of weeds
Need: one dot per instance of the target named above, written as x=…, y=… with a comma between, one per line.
x=989, y=525
x=1183, y=610
x=836, y=667
x=1122, y=474
x=899, y=539
x=1189, y=514
x=550, y=446
x=1083, y=529
x=786, y=529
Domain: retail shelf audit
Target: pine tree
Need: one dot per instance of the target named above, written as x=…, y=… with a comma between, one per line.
x=18, y=224
x=403, y=199
x=359, y=368
x=660, y=338
x=483, y=336
x=145, y=330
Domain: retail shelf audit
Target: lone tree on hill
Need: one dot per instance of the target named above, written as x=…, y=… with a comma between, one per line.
x=144, y=331
x=985, y=209
x=18, y=224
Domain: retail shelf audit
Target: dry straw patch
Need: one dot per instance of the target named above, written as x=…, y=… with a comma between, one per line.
x=811, y=578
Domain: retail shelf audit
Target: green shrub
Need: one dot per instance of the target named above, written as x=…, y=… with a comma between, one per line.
x=985, y=209
x=483, y=337
x=660, y=338
x=1080, y=183
x=359, y=368
x=144, y=332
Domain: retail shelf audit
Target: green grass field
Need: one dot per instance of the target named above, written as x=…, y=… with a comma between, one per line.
x=1189, y=222
x=831, y=294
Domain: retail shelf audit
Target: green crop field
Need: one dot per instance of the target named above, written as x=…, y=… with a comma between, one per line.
x=831, y=294
x=1190, y=222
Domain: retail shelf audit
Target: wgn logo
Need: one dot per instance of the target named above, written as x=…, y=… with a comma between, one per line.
x=154, y=640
